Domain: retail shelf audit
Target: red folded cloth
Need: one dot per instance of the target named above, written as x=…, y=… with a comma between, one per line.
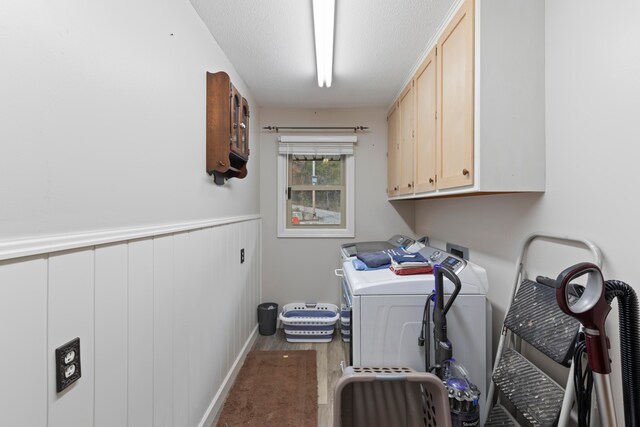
x=407, y=271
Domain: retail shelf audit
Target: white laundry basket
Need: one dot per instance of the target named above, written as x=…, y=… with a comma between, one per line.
x=309, y=322
x=345, y=323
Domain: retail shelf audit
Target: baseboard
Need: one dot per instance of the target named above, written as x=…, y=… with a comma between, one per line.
x=215, y=408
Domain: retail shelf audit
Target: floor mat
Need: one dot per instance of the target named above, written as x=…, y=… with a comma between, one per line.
x=274, y=388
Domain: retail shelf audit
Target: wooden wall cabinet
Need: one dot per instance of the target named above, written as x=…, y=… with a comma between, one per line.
x=400, y=144
x=425, y=155
x=478, y=109
x=227, y=129
x=405, y=147
x=454, y=59
x=393, y=138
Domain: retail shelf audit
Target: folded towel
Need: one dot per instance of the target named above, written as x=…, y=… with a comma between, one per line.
x=361, y=266
x=408, y=271
x=401, y=256
x=375, y=259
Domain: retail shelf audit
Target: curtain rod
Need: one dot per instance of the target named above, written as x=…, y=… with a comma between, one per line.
x=353, y=128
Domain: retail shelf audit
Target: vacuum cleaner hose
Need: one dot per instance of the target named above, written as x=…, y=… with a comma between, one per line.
x=629, y=347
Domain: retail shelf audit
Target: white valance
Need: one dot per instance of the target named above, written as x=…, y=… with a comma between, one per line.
x=321, y=145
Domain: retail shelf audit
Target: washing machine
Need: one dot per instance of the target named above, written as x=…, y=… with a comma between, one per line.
x=387, y=310
x=350, y=251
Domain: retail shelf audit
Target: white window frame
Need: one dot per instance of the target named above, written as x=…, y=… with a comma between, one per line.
x=335, y=144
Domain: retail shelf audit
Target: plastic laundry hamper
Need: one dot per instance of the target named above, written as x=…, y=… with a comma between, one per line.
x=345, y=323
x=309, y=322
x=383, y=397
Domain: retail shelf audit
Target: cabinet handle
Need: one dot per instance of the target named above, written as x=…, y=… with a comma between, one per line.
x=243, y=126
x=430, y=180
x=465, y=172
x=409, y=184
x=395, y=188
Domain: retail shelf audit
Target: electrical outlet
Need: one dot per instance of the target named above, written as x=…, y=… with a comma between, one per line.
x=68, y=364
x=242, y=256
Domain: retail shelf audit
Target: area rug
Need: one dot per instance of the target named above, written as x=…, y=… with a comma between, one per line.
x=274, y=388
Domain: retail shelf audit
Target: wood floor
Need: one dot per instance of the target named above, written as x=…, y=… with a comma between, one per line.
x=328, y=358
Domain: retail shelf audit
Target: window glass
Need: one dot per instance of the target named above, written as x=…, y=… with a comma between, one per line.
x=316, y=207
x=320, y=171
x=316, y=191
x=236, y=120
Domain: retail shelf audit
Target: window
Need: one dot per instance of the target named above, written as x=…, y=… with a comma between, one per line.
x=315, y=186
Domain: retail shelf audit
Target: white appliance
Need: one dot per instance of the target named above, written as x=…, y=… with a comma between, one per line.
x=387, y=311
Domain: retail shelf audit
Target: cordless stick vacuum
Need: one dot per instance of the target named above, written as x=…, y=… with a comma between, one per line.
x=463, y=395
x=590, y=304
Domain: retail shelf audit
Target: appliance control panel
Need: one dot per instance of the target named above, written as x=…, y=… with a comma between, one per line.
x=400, y=240
x=435, y=256
x=452, y=262
x=439, y=256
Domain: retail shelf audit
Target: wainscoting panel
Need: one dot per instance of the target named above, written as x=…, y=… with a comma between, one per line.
x=217, y=328
x=140, y=334
x=163, y=278
x=182, y=277
x=162, y=320
x=210, y=369
x=23, y=330
x=198, y=306
x=111, y=362
x=71, y=314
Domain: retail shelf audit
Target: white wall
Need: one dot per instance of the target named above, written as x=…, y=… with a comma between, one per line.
x=102, y=127
x=592, y=109
x=103, y=117
x=302, y=269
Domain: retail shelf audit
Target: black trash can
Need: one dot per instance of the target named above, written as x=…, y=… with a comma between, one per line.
x=267, y=318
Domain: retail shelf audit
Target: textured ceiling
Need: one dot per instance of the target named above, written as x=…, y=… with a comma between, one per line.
x=270, y=43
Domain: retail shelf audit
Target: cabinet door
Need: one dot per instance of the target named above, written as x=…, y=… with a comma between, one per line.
x=425, y=158
x=393, y=138
x=244, y=128
x=455, y=100
x=406, y=140
x=236, y=119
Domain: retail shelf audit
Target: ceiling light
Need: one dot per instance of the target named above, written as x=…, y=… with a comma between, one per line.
x=323, y=23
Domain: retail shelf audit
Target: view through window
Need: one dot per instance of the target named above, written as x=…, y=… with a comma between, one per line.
x=316, y=192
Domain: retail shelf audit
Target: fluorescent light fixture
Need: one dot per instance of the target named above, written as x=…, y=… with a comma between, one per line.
x=323, y=23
